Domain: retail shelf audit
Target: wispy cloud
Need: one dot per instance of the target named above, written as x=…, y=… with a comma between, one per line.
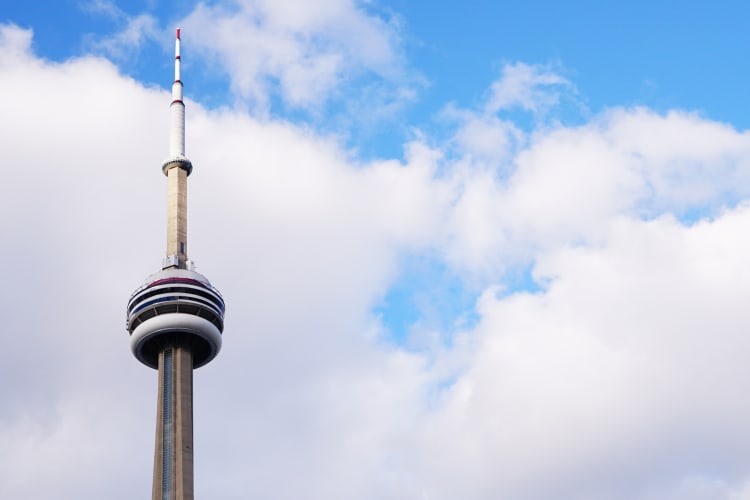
x=532, y=88
x=132, y=33
x=303, y=54
x=106, y=8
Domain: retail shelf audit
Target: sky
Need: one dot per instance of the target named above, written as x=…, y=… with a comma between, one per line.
x=477, y=250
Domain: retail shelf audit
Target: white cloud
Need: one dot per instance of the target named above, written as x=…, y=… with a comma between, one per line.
x=134, y=32
x=299, y=51
x=620, y=379
x=106, y=8
x=16, y=43
x=676, y=154
x=529, y=87
x=624, y=377
x=559, y=184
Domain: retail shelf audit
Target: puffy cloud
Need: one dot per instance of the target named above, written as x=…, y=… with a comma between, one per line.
x=17, y=44
x=302, y=53
x=618, y=380
x=566, y=184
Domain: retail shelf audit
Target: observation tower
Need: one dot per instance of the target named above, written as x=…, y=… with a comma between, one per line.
x=175, y=320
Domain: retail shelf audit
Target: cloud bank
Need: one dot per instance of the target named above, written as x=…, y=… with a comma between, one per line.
x=618, y=372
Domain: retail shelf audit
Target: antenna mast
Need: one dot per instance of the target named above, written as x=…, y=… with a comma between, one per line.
x=177, y=168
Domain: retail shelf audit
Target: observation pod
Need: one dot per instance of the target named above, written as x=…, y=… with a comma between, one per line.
x=175, y=304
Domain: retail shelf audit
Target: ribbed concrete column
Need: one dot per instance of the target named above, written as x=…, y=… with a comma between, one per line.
x=173, y=455
x=177, y=214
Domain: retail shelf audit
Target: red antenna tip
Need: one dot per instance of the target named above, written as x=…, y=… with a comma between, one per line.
x=178, y=33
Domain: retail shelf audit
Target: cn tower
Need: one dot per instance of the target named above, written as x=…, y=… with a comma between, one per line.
x=175, y=320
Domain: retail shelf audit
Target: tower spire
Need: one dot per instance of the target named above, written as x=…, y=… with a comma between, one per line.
x=177, y=109
x=177, y=168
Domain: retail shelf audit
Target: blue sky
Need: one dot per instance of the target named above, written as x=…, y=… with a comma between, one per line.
x=478, y=250
x=653, y=54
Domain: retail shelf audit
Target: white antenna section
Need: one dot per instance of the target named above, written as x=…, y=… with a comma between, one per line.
x=177, y=108
x=176, y=168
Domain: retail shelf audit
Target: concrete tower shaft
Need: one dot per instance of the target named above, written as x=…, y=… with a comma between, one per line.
x=173, y=454
x=176, y=218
